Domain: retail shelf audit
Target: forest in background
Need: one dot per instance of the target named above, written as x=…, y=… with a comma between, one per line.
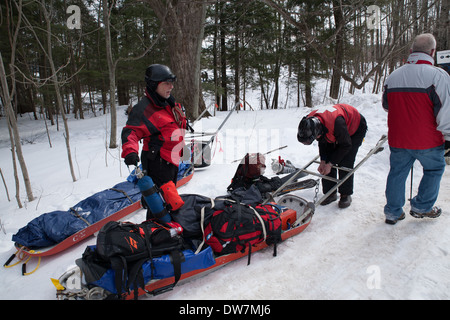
x=62, y=57
x=245, y=44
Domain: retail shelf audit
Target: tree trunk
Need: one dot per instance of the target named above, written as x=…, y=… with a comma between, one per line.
x=237, y=63
x=184, y=28
x=123, y=94
x=223, y=64
x=338, y=52
x=76, y=85
x=112, y=76
x=216, y=57
x=59, y=100
x=223, y=71
x=443, y=38
x=12, y=121
x=308, y=86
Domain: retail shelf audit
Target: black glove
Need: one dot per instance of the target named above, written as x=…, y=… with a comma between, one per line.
x=132, y=159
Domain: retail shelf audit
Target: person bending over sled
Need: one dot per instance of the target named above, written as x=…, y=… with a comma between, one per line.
x=340, y=134
x=161, y=123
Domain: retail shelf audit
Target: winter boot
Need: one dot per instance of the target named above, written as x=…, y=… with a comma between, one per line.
x=345, y=201
x=331, y=198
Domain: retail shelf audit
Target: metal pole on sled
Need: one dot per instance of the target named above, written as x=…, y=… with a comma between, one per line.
x=213, y=136
x=311, y=206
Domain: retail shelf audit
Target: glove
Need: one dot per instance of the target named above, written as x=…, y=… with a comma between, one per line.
x=132, y=159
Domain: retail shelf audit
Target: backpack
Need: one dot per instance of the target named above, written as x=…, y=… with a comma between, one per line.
x=126, y=246
x=251, y=168
x=239, y=226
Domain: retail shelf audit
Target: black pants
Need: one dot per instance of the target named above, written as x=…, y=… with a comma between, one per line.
x=348, y=162
x=160, y=170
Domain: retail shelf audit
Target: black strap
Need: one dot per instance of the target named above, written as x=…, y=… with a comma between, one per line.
x=123, y=192
x=176, y=257
x=73, y=212
x=119, y=265
x=158, y=215
x=149, y=247
x=136, y=277
x=150, y=191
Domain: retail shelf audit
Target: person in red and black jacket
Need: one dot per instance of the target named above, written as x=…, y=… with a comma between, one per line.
x=160, y=122
x=340, y=133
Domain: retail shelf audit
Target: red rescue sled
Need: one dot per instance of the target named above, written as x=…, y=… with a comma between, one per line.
x=25, y=254
x=295, y=218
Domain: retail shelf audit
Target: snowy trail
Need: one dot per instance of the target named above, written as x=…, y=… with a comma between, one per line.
x=343, y=254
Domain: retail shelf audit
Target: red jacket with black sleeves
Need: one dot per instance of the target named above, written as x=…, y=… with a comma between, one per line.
x=340, y=125
x=156, y=124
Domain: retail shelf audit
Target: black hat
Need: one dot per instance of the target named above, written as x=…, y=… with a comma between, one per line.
x=309, y=129
x=157, y=73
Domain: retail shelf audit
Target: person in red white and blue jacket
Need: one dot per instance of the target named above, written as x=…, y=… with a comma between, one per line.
x=417, y=99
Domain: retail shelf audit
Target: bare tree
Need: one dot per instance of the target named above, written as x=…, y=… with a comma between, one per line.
x=48, y=52
x=16, y=147
x=387, y=46
x=111, y=73
x=56, y=84
x=112, y=66
x=15, y=137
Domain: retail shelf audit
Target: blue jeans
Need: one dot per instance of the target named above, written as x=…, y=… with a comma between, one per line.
x=401, y=160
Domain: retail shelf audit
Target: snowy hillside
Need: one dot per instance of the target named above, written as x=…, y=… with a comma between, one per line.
x=343, y=254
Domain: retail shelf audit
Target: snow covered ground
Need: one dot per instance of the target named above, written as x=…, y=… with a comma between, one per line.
x=343, y=254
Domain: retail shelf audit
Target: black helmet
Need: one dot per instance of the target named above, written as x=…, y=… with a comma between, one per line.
x=309, y=129
x=157, y=73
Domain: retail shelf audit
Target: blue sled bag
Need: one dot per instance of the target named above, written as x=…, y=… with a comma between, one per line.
x=100, y=274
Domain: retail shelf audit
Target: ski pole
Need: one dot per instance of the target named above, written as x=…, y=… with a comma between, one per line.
x=411, y=187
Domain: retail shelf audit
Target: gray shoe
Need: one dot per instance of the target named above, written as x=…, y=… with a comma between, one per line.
x=434, y=213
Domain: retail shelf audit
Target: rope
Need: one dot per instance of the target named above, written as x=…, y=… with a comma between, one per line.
x=24, y=257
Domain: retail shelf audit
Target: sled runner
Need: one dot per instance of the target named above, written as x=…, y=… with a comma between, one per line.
x=125, y=196
x=72, y=284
